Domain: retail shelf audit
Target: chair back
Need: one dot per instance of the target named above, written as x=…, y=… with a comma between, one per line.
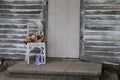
x=35, y=26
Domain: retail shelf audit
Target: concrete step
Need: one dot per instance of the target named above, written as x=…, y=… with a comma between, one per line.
x=4, y=76
x=57, y=70
x=24, y=79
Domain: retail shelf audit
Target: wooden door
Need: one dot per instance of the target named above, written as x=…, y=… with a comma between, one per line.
x=63, y=28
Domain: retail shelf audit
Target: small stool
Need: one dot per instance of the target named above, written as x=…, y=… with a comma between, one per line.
x=31, y=46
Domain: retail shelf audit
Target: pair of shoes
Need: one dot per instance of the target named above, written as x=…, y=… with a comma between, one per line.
x=39, y=59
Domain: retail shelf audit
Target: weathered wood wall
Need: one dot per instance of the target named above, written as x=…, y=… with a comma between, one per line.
x=14, y=15
x=101, y=30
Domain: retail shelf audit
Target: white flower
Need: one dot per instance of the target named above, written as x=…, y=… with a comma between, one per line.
x=33, y=37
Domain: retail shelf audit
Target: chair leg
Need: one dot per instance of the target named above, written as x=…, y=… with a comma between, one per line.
x=44, y=54
x=25, y=57
x=28, y=59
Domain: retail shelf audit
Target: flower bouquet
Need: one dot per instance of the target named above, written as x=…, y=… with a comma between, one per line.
x=31, y=38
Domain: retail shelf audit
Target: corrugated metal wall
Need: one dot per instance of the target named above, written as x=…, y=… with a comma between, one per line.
x=100, y=30
x=14, y=15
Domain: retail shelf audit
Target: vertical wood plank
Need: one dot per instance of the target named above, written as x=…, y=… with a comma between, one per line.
x=61, y=27
x=73, y=28
x=51, y=28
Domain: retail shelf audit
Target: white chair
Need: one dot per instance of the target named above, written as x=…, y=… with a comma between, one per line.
x=31, y=46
